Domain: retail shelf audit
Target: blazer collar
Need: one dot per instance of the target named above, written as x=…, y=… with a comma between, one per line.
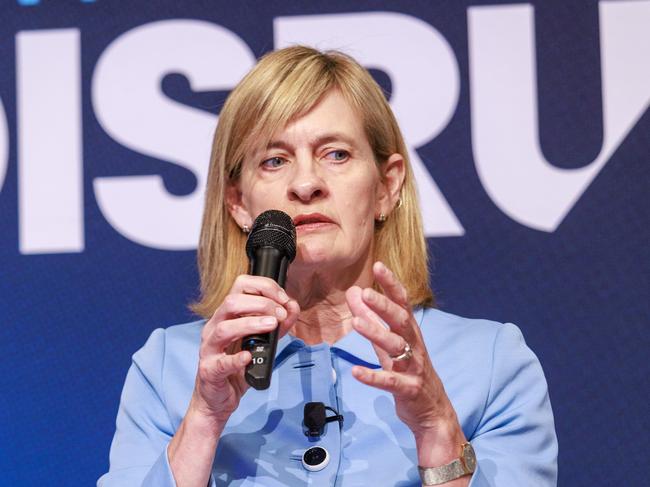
x=352, y=347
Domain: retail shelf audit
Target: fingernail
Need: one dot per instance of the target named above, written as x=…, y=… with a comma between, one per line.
x=358, y=323
x=268, y=320
x=281, y=313
x=243, y=359
x=283, y=296
x=368, y=294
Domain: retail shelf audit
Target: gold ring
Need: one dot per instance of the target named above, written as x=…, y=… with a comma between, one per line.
x=406, y=354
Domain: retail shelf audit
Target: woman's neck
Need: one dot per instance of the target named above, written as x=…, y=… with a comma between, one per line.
x=324, y=313
x=322, y=323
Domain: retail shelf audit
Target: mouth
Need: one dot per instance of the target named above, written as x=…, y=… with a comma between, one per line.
x=311, y=221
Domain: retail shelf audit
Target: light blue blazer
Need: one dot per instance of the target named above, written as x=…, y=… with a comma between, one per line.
x=494, y=381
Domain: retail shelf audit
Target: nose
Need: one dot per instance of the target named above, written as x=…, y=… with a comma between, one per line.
x=306, y=184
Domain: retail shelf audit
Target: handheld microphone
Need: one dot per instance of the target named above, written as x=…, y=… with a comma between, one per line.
x=271, y=247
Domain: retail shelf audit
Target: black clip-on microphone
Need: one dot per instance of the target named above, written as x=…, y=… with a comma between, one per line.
x=271, y=247
x=314, y=418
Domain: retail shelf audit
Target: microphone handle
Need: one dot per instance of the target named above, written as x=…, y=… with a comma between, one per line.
x=267, y=262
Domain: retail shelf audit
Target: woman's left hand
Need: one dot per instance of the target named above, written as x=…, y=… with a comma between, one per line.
x=420, y=398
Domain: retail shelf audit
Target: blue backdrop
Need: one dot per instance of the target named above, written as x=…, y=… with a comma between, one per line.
x=530, y=125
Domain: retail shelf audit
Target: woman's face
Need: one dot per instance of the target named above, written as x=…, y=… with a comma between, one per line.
x=320, y=170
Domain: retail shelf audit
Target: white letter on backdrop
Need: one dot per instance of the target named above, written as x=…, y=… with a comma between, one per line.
x=424, y=75
x=50, y=171
x=130, y=105
x=503, y=88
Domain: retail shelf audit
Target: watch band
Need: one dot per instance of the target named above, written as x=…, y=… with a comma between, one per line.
x=465, y=465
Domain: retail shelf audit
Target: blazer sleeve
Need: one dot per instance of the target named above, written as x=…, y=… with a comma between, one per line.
x=515, y=440
x=138, y=456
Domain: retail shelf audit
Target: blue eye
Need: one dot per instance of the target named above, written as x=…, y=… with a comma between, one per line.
x=338, y=155
x=273, y=162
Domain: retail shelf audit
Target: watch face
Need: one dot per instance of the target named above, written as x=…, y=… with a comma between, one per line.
x=469, y=457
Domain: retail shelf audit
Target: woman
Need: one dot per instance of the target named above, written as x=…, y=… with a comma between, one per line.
x=311, y=134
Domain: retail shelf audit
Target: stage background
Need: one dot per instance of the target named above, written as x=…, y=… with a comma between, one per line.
x=528, y=123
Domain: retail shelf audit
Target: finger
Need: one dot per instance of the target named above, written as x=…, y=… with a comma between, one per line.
x=216, y=369
x=293, y=310
x=218, y=338
x=391, y=286
x=361, y=310
x=261, y=286
x=395, y=316
x=235, y=305
x=390, y=344
x=398, y=384
x=382, y=354
x=358, y=307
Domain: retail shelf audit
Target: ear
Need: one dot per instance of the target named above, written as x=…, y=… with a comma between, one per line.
x=236, y=207
x=393, y=172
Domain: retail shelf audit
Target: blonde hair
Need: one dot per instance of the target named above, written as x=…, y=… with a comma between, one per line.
x=283, y=86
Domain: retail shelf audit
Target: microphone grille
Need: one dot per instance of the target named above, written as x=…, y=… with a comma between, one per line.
x=273, y=228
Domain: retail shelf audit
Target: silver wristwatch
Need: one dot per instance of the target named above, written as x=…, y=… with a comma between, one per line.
x=465, y=465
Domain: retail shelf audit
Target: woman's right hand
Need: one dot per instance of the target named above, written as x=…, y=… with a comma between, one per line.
x=254, y=305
